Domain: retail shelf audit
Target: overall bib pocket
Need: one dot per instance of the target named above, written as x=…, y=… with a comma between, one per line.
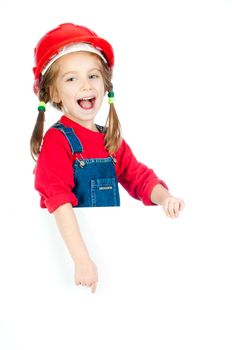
x=104, y=192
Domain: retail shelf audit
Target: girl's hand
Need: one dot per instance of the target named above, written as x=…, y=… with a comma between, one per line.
x=172, y=206
x=86, y=274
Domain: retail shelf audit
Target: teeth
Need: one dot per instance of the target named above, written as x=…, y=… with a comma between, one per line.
x=87, y=98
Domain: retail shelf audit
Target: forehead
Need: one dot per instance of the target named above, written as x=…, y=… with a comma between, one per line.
x=78, y=61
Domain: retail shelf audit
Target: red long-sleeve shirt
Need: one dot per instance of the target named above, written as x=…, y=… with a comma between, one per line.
x=54, y=178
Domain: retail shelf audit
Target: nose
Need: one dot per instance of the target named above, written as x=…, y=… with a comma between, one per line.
x=86, y=84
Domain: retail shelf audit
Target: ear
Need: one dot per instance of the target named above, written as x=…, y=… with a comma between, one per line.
x=54, y=94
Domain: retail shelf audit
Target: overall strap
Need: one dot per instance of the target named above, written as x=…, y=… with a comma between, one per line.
x=73, y=140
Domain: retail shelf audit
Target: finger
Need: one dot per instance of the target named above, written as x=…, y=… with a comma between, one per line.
x=171, y=210
x=167, y=212
x=182, y=205
x=165, y=208
x=85, y=284
x=94, y=287
x=176, y=209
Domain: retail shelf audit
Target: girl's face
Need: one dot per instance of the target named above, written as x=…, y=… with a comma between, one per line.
x=79, y=87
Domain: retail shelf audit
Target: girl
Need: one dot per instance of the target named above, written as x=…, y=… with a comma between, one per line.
x=80, y=163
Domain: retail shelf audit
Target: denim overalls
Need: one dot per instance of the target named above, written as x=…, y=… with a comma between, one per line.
x=96, y=183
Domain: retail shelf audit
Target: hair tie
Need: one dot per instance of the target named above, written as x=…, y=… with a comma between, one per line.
x=42, y=106
x=111, y=97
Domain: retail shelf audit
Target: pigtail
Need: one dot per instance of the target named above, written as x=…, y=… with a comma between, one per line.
x=43, y=91
x=38, y=131
x=113, y=136
x=37, y=135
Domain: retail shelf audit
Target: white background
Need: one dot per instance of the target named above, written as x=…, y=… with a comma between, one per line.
x=164, y=284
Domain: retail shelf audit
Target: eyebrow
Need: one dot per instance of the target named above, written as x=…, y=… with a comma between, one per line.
x=76, y=72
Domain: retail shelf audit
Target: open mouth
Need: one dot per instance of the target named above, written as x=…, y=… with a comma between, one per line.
x=86, y=102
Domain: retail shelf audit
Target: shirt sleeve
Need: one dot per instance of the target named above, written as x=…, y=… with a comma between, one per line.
x=134, y=176
x=54, y=178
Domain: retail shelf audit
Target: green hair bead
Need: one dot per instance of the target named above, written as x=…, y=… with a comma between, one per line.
x=111, y=97
x=111, y=100
x=110, y=94
x=42, y=106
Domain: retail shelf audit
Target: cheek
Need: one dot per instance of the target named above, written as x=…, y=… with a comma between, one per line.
x=99, y=84
x=66, y=94
x=102, y=89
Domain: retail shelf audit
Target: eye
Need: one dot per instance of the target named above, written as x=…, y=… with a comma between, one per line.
x=71, y=79
x=93, y=76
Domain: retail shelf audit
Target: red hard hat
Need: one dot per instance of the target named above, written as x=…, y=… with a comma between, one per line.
x=63, y=35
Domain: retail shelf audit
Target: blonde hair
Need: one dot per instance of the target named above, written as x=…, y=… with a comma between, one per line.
x=112, y=130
